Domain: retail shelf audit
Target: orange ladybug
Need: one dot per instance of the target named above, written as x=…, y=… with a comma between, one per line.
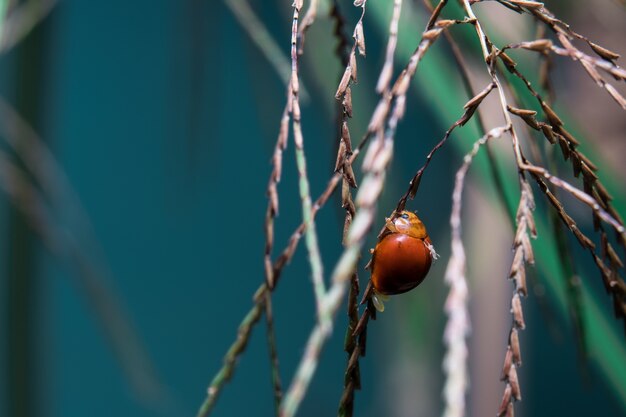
x=401, y=258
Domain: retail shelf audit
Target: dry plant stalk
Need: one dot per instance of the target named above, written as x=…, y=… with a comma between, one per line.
x=352, y=378
x=522, y=253
x=553, y=130
x=382, y=126
x=360, y=215
x=458, y=325
x=272, y=270
x=523, y=250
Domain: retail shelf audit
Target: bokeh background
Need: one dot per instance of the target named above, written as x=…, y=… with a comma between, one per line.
x=122, y=292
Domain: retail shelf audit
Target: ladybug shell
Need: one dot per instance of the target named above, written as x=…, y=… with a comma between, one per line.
x=400, y=263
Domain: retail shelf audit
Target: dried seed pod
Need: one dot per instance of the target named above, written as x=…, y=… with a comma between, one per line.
x=507, y=61
x=431, y=34
x=520, y=281
x=341, y=155
x=359, y=36
x=343, y=84
x=613, y=256
x=584, y=241
x=508, y=361
x=603, y=52
x=515, y=349
x=554, y=120
x=528, y=4
x=515, y=389
x=548, y=133
x=516, y=309
x=539, y=45
x=587, y=161
x=348, y=174
x=506, y=401
x=576, y=164
x=564, y=146
x=353, y=66
x=347, y=108
x=570, y=138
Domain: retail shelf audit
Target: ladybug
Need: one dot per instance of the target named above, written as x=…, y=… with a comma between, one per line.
x=401, y=258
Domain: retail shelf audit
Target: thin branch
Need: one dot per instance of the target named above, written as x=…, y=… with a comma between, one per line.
x=470, y=107
x=354, y=343
x=276, y=268
x=464, y=72
x=570, y=279
x=294, y=108
x=271, y=344
x=523, y=248
x=307, y=21
x=522, y=253
x=590, y=64
x=565, y=34
x=489, y=52
x=262, y=38
x=554, y=132
x=352, y=375
x=383, y=123
x=273, y=270
x=458, y=325
x=230, y=359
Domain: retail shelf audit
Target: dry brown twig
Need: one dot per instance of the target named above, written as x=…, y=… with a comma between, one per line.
x=470, y=107
x=382, y=125
x=590, y=64
x=458, y=324
x=524, y=216
x=522, y=253
x=261, y=37
x=343, y=165
x=464, y=72
x=596, y=194
x=554, y=131
x=263, y=294
x=359, y=217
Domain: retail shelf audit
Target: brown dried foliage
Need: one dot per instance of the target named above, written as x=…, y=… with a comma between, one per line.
x=391, y=108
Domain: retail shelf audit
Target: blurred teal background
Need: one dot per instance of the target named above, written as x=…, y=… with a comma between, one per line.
x=163, y=116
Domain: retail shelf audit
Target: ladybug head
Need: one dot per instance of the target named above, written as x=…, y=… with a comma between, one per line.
x=408, y=223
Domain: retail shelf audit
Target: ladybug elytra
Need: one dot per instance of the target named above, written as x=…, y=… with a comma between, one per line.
x=401, y=258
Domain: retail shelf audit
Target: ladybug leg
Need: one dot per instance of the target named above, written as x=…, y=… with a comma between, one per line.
x=378, y=300
x=369, y=265
x=431, y=249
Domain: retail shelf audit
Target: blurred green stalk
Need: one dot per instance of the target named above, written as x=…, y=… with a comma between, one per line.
x=22, y=287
